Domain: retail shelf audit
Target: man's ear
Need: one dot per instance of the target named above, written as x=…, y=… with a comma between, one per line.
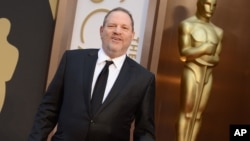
x=133, y=35
x=101, y=31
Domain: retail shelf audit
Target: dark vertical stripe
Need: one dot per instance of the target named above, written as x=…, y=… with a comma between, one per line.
x=31, y=32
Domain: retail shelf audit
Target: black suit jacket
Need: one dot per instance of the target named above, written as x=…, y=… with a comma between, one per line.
x=67, y=103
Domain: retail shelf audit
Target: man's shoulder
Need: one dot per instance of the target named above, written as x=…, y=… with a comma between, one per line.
x=81, y=52
x=138, y=66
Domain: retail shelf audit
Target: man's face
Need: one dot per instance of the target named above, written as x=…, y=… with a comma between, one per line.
x=206, y=8
x=116, y=34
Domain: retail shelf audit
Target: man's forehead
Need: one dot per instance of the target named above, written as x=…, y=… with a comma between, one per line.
x=117, y=15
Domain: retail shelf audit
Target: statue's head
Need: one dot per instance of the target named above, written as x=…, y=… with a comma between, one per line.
x=206, y=8
x=4, y=27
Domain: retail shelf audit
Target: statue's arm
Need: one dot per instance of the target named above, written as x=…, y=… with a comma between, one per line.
x=188, y=48
x=215, y=58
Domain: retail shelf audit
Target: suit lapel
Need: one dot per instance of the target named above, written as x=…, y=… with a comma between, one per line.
x=89, y=67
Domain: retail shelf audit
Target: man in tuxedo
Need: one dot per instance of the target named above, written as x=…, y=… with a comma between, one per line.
x=128, y=96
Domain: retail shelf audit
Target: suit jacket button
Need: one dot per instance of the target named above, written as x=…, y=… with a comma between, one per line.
x=92, y=122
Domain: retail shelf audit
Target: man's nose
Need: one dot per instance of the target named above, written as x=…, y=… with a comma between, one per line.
x=117, y=30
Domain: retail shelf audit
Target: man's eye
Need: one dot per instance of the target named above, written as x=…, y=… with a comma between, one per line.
x=125, y=28
x=111, y=25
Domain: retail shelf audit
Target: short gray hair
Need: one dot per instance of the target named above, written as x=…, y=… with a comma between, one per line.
x=120, y=9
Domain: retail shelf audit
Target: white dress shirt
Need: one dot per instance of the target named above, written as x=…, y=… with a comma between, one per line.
x=114, y=70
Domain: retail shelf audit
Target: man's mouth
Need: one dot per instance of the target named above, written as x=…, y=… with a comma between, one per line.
x=117, y=39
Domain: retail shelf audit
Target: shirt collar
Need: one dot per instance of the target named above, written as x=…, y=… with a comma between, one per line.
x=118, y=61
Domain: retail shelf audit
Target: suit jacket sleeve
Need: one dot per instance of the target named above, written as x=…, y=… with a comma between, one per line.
x=48, y=111
x=144, y=120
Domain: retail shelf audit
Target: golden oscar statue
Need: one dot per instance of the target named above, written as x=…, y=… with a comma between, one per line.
x=199, y=47
x=8, y=58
